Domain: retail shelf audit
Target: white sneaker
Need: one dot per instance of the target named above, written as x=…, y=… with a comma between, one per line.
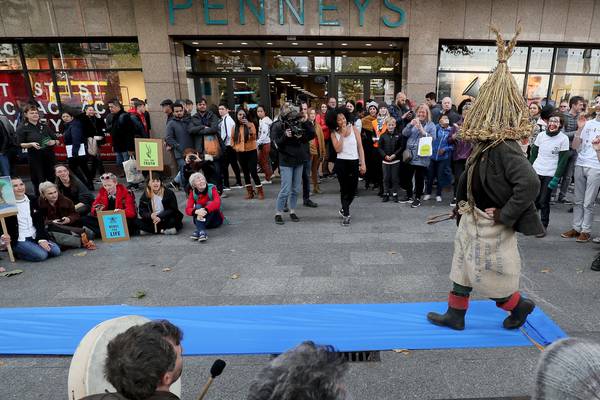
x=426, y=197
x=170, y=231
x=438, y=199
x=266, y=182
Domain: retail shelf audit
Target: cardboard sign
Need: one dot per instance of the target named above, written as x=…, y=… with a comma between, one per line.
x=8, y=202
x=113, y=226
x=149, y=154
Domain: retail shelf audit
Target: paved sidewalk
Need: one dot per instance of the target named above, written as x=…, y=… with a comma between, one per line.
x=388, y=254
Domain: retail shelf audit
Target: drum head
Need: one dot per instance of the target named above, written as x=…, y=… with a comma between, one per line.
x=86, y=373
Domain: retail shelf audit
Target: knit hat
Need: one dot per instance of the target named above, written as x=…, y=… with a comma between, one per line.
x=499, y=111
x=569, y=370
x=383, y=104
x=372, y=104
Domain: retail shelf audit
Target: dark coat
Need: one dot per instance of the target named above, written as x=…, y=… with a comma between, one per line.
x=178, y=136
x=390, y=143
x=74, y=136
x=117, y=396
x=64, y=207
x=204, y=126
x=77, y=192
x=122, y=130
x=509, y=180
x=39, y=133
x=92, y=126
x=37, y=217
x=171, y=208
x=292, y=150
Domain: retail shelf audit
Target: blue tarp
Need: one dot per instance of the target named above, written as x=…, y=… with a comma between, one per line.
x=273, y=329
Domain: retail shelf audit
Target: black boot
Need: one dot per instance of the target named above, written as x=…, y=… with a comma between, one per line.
x=454, y=318
x=519, y=314
x=395, y=198
x=386, y=198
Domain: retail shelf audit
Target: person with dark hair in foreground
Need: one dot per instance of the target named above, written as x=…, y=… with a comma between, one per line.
x=306, y=372
x=143, y=362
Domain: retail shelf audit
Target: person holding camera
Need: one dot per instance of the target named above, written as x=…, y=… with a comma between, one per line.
x=350, y=160
x=290, y=136
x=194, y=162
x=244, y=144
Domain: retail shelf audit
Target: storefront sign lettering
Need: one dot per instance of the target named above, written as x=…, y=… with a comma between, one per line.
x=326, y=11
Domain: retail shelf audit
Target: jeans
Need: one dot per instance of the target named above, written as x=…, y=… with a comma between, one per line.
x=211, y=220
x=291, y=179
x=179, y=177
x=306, y=180
x=542, y=201
x=391, y=178
x=347, y=175
x=121, y=158
x=587, y=182
x=29, y=250
x=4, y=165
x=441, y=170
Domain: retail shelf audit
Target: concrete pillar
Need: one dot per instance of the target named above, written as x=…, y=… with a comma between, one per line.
x=423, y=49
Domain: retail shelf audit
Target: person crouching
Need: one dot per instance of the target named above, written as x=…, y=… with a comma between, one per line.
x=204, y=206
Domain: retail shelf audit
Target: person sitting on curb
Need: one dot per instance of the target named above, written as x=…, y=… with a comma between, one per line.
x=62, y=221
x=26, y=231
x=159, y=212
x=204, y=206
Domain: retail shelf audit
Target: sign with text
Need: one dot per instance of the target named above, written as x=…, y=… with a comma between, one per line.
x=113, y=226
x=149, y=154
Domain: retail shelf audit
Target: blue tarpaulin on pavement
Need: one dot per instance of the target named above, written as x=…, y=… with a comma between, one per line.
x=270, y=329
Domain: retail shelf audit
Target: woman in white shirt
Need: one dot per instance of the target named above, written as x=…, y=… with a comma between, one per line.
x=350, y=160
x=264, y=143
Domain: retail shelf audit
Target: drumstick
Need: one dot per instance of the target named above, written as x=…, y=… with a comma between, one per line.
x=439, y=218
x=153, y=208
x=215, y=370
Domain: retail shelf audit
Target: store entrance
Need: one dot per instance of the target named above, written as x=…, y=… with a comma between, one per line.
x=295, y=89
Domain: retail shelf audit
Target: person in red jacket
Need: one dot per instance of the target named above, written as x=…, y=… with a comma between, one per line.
x=113, y=196
x=204, y=206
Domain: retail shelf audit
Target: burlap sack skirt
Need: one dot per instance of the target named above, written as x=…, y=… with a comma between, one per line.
x=486, y=256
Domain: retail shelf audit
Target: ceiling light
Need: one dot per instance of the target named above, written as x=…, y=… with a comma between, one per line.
x=365, y=67
x=195, y=42
x=368, y=44
x=294, y=43
x=270, y=43
x=391, y=44
x=197, y=49
x=255, y=68
x=285, y=82
x=309, y=51
x=386, y=69
x=319, y=44
x=344, y=44
x=278, y=79
x=219, y=43
x=243, y=43
x=379, y=51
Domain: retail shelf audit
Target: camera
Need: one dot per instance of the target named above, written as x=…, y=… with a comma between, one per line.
x=293, y=121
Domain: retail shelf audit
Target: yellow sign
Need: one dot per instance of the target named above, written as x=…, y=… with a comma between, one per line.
x=149, y=154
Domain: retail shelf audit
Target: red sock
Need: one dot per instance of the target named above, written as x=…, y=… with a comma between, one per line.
x=458, y=302
x=511, y=303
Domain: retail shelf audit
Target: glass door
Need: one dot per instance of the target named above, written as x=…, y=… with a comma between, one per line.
x=294, y=89
x=351, y=89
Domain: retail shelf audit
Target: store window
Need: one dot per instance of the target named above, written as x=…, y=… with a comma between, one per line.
x=577, y=61
x=95, y=55
x=226, y=61
x=299, y=61
x=478, y=58
x=541, y=59
x=9, y=57
x=246, y=92
x=453, y=84
x=567, y=86
x=382, y=90
x=367, y=62
x=213, y=89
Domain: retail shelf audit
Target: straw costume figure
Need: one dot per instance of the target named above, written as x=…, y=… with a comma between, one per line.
x=496, y=195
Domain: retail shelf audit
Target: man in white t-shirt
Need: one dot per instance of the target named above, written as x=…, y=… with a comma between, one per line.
x=587, y=175
x=549, y=156
x=227, y=125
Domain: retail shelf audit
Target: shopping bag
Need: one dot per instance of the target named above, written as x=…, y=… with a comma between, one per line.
x=131, y=172
x=92, y=146
x=425, y=147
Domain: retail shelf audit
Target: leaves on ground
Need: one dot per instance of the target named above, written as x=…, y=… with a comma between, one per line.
x=579, y=271
x=234, y=276
x=139, y=294
x=402, y=351
x=545, y=270
x=391, y=253
x=6, y=274
x=167, y=269
x=80, y=254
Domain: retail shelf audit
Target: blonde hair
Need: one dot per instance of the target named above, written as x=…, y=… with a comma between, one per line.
x=426, y=107
x=45, y=186
x=390, y=119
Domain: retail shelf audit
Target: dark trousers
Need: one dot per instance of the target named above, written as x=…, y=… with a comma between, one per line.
x=41, y=167
x=418, y=172
x=146, y=224
x=459, y=168
x=230, y=158
x=211, y=220
x=78, y=164
x=347, y=175
x=542, y=201
x=438, y=170
x=249, y=161
x=96, y=165
x=391, y=178
x=306, y=180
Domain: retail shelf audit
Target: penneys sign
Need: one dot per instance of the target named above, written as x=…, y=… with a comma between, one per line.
x=256, y=9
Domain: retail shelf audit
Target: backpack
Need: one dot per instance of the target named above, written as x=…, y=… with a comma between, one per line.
x=210, y=195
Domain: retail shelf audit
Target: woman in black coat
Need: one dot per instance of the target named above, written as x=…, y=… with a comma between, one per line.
x=75, y=142
x=93, y=129
x=158, y=208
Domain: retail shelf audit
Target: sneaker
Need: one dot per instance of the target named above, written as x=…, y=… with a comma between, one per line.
x=426, y=197
x=226, y=189
x=570, y=234
x=202, y=236
x=286, y=209
x=170, y=231
x=596, y=240
x=416, y=203
x=438, y=199
x=265, y=182
x=341, y=213
x=346, y=221
x=294, y=217
x=453, y=202
x=406, y=199
x=541, y=235
x=583, y=237
x=279, y=220
x=386, y=198
x=596, y=264
x=237, y=186
x=195, y=235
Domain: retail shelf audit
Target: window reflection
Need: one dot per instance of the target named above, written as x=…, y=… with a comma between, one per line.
x=9, y=57
x=478, y=58
x=537, y=87
x=567, y=86
x=382, y=90
x=226, y=60
x=578, y=61
x=299, y=61
x=95, y=55
x=541, y=59
x=246, y=92
x=367, y=62
x=452, y=84
x=214, y=90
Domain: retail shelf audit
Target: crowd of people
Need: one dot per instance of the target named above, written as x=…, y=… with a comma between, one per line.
x=403, y=151
x=143, y=363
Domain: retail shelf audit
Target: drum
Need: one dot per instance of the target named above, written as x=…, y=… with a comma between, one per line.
x=86, y=373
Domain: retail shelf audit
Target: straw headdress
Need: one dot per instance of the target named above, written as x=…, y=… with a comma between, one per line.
x=499, y=111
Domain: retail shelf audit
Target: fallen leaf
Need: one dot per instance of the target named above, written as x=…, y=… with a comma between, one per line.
x=139, y=294
x=579, y=271
x=235, y=276
x=166, y=269
x=2, y=363
x=11, y=273
x=391, y=253
x=80, y=254
x=401, y=351
x=545, y=270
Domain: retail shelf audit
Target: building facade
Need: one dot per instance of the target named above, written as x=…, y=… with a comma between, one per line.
x=69, y=52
